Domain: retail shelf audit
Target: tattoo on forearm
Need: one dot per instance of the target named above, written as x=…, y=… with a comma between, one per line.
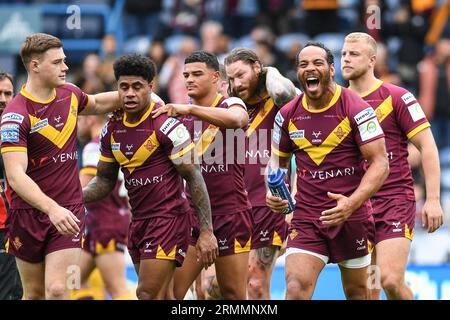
x=200, y=197
x=102, y=184
x=197, y=187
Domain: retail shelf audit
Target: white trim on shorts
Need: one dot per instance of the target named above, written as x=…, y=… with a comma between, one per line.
x=292, y=250
x=356, y=263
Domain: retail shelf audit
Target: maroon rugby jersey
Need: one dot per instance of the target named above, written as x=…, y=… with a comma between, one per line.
x=111, y=212
x=144, y=151
x=46, y=130
x=262, y=116
x=401, y=117
x=222, y=160
x=326, y=146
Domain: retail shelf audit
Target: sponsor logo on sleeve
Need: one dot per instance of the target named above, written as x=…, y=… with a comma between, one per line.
x=12, y=117
x=364, y=115
x=276, y=134
x=168, y=124
x=416, y=112
x=179, y=136
x=39, y=125
x=297, y=134
x=370, y=129
x=115, y=146
x=408, y=97
x=10, y=133
x=235, y=101
x=104, y=130
x=279, y=119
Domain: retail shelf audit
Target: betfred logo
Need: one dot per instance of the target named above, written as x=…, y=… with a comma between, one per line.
x=364, y=115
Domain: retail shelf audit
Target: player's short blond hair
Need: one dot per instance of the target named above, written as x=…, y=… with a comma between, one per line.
x=356, y=36
x=37, y=44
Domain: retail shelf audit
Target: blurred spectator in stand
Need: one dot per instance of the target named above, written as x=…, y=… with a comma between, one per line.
x=88, y=80
x=158, y=54
x=108, y=56
x=411, y=23
x=210, y=33
x=171, y=76
x=275, y=13
x=142, y=17
x=181, y=17
x=264, y=40
x=382, y=70
x=434, y=91
x=240, y=17
x=320, y=16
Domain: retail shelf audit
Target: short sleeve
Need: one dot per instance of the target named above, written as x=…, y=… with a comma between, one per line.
x=15, y=126
x=173, y=136
x=83, y=98
x=410, y=116
x=364, y=122
x=90, y=157
x=106, y=145
x=281, y=142
x=234, y=101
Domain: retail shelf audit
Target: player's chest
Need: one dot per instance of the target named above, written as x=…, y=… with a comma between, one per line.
x=130, y=143
x=54, y=124
x=319, y=130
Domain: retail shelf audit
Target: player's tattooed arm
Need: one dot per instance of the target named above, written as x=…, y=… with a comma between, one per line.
x=103, y=182
x=280, y=89
x=197, y=187
x=207, y=248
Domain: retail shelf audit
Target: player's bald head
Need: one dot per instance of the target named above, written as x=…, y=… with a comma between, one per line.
x=365, y=38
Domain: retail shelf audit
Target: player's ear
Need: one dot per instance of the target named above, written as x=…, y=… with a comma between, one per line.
x=332, y=70
x=216, y=77
x=34, y=65
x=257, y=67
x=150, y=85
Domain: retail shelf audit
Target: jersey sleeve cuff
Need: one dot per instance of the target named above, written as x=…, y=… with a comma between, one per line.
x=106, y=159
x=280, y=153
x=13, y=149
x=416, y=130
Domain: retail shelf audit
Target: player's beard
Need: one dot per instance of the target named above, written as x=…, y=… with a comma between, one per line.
x=356, y=73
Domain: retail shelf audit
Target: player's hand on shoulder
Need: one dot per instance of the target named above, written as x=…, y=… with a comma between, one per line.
x=172, y=110
x=64, y=220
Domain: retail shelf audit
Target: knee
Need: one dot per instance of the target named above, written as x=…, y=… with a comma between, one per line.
x=356, y=292
x=235, y=292
x=255, y=288
x=298, y=289
x=57, y=291
x=143, y=293
x=391, y=283
x=34, y=293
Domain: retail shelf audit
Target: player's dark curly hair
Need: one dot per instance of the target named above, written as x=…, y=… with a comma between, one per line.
x=203, y=56
x=135, y=65
x=330, y=57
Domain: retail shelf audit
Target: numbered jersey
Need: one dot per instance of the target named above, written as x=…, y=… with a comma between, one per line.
x=145, y=152
x=111, y=211
x=401, y=118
